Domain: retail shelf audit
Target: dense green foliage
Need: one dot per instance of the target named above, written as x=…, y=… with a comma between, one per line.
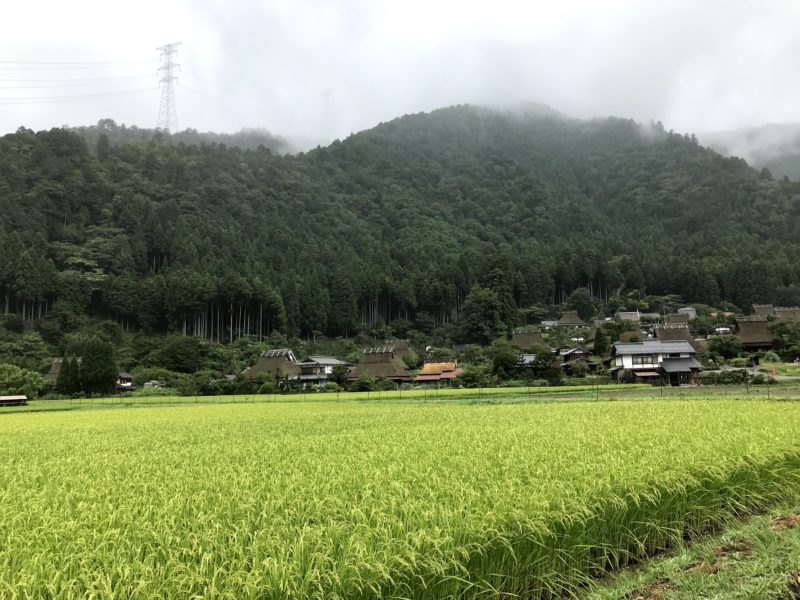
x=367, y=501
x=397, y=225
x=15, y=381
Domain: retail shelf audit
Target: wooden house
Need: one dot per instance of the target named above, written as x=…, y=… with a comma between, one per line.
x=671, y=332
x=280, y=363
x=570, y=318
x=382, y=362
x=438, y=372
x=318, y=370
x=655, y=360
x=525, y=339
x=787, y=314
x=754, y=334
x=55, y=369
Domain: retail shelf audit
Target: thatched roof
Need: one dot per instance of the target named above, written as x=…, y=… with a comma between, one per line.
x=280, y=363
x=675, y=331
x=439, y=371
x=754, y=332
x=787, y=313
x=384, y=362
x=570, y=317
x=763, y=310
x=525, y=339
x=678, y=318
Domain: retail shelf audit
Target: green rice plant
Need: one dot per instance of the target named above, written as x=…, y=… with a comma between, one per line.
x=365, y=500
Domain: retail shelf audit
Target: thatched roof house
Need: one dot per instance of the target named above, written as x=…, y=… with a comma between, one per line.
x=384, y=362
x=678, y=318
x=754, y=333
x=281, y=363
x=674, y=331
x=525, y=339
x=571, y=318
x=787, y=313
x=435, y=372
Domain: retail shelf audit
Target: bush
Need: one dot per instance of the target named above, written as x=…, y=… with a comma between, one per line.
x=383, y=385
x=739, y=362
x=16, y=381
x=771, y=357
x=332, y=387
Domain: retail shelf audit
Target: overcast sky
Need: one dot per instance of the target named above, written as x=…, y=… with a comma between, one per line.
x=324, y=68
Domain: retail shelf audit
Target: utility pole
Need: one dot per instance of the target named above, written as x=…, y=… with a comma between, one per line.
x=167, y=113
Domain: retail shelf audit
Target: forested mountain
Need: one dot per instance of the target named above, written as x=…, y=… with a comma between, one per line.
x=400, y=222
x=775, y=147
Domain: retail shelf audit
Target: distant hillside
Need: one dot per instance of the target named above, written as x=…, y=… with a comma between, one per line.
x=246, y=139
x=411, y=222
x=775, y=146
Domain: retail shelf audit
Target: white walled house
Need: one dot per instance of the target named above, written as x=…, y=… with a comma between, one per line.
x=652, y=360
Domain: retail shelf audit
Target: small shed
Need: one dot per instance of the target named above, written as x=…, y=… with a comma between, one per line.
x=20, y=400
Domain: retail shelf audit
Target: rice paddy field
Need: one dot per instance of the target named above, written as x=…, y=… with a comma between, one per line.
x=374, y=500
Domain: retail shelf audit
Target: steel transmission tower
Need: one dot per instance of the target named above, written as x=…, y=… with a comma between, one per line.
x=167, y=113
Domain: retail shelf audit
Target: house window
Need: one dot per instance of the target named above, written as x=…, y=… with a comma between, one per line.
x=674, y=355
x=643, y=359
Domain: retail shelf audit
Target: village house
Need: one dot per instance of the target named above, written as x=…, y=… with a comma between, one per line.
x=754, y=334
x=124, y=382
x=280, y=363
x=632, y=316
x=439, y=372
x=678, y=318
x=675, y=331
x=570, y=318
x=318, y=370
x=652, y=360
x=55, y=369
x=788, y=314
x=382, y=362
x=763, y=310
x=525, y=339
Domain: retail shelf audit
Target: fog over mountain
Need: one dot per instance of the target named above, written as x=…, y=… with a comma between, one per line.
x=775, y=146
x=318, y=70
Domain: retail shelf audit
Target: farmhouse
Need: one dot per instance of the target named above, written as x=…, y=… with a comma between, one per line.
x=754, y=333
x=525, y=339
x=570, y=318
x=633, y=316
x=438, y=372
x=653, y=360
x=676, y=331
x=317, y=370
x=124, y=382
x=789, y=314
x=281, y=363
x=382, y=362
x=55, y=369
x=678, y=318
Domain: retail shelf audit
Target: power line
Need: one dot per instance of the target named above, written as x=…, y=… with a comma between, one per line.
x=76, y=83
x=49, y=99
x=76, y=79
x=61, y=68
x=94, y=63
